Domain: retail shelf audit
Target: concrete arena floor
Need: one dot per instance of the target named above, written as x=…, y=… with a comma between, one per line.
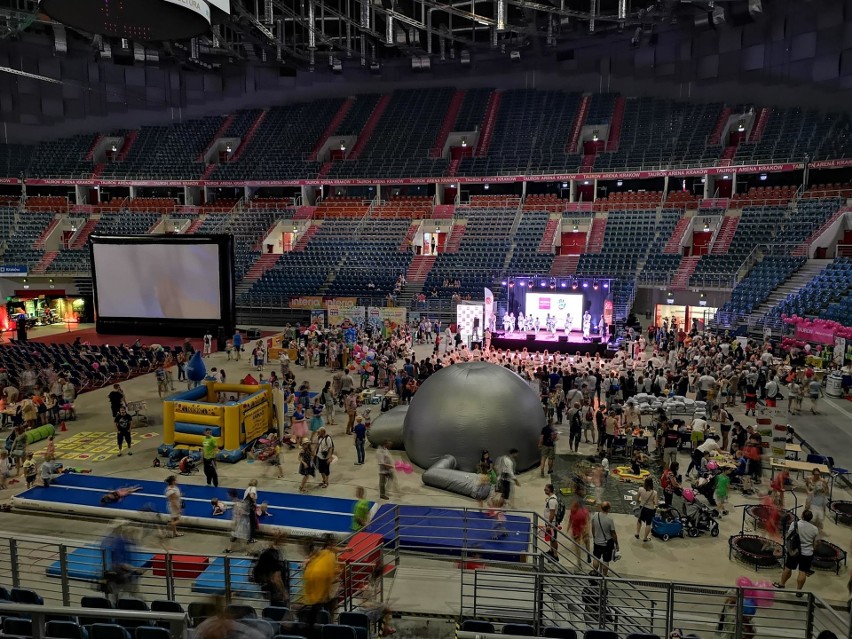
x=702, y=560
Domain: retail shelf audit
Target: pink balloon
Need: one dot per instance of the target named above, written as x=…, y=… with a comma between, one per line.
x=765, y=597
x=96, y=366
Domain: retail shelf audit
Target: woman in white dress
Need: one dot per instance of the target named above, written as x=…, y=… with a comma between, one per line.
x=587, y=325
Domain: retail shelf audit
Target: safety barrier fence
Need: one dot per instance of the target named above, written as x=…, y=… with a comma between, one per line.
x=488, y=569
x=625, y=606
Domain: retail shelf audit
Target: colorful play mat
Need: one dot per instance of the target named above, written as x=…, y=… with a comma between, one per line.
x=88, y=446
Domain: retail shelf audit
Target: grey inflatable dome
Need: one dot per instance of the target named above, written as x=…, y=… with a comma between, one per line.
x=388, y=427
x=465, y=408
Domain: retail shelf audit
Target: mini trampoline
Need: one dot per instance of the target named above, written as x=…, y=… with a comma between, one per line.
x=755, y=551
x=842, y=511
x=759, y=514
x=828, y=556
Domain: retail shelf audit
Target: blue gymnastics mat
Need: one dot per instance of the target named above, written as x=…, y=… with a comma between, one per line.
x=446, y=530
x=288, y=510
x=87, y=563
x=212, y=580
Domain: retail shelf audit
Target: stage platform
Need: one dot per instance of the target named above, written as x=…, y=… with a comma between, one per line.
x=80, y=495
x=553, y=343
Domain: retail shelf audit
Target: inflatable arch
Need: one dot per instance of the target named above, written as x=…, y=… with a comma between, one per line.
x=235, y=423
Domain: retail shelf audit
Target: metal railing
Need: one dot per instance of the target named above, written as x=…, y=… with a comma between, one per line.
x=548, y=598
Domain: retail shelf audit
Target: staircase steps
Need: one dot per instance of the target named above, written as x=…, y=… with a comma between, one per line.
x=369, y=127
x=616, y=123
x=725, y=235
x=226, y=124
x=546, y=244
x=129, y=139
x=488, y=123
x=564, y=265
x=419, y=269
x=716, y=136
x=794, y=284
x=195, y=225
x=332, y=127
x=90, y=154
x=45, y=262
x=449, y=123
x=39, y=243
x=305, y=238
x=456, y=235
x=84, y=233
x=579, y=121
x=454, y=167
x=596, y=235
x=263, y=264
x=672, y=247
x=405, y=245
x=680, y=280
x=249, y=136
x=760, y=125
x=803, y=249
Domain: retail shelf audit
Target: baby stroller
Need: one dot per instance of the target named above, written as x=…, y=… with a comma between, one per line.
x=264, y=448
x=667, y=523
x=698, y=518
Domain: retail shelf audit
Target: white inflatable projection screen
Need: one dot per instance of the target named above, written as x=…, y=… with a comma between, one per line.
x=157, y=281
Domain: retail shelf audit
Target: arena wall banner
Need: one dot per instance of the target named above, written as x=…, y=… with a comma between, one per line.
x=317, y=302
x=815, y=334
x=386, y=318
x=346, y=315
x=493, y=179
x=306, y=301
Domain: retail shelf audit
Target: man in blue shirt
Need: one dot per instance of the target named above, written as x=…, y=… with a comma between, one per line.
x=119, y=574
x=238, y=344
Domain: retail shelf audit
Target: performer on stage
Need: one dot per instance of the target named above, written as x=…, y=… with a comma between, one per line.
x=522, y=322
x=530, y=323
x=602, y=328
x=506, y=325
x=492, y=322
x=537, y=324
x=587, y=325
x=511, y=322
x=568, y=323
x=551, y=324
x=474, y=336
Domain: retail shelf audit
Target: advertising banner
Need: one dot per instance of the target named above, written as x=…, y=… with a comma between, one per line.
x=346, y=316
x=815, y=334
x=385, y=319
x=318, y=318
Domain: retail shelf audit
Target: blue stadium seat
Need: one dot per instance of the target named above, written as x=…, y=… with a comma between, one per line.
x=522, y=629
x=25, y=596
x=560, y=633
x=108, y=631
x=475, y=625
x=152, y=632
x=64, y=630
